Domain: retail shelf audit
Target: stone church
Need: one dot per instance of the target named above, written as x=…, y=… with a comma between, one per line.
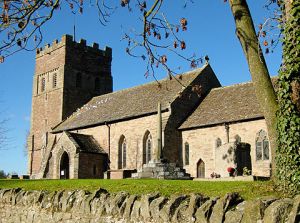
x=80, y=128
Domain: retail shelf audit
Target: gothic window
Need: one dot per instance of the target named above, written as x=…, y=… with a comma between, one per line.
x=262, y=146
x=54, y=81
x=218, y=142
x=147, y=147
x=122, y=153
x=186, y=154
x=43, y=85
x=97, y=84
x=78, y=80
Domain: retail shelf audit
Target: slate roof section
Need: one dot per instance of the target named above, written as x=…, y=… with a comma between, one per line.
x=225, y=104
x=85, y=143
x=129, y=103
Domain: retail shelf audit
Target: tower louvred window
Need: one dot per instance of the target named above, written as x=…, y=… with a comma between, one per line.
x=54, y=80
x=43, y=84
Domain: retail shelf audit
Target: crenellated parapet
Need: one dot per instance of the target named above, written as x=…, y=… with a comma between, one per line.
x=67, y=41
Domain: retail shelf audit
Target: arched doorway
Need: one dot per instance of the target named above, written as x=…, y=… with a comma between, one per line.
x=201, y=169
x=243, y=158
x=64, y=166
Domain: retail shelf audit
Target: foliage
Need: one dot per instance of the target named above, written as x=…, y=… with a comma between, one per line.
x=248, y=190
x=246, y=171
x=288, y=125
x=2, y=174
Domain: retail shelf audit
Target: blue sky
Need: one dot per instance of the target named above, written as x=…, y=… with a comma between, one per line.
x=210, y=32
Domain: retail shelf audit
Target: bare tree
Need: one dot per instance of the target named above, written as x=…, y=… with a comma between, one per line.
x=21, y=21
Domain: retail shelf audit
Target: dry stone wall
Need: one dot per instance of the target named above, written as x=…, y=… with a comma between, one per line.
x=17, y=205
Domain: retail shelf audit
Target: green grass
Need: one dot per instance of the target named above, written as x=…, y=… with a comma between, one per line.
x=248, y=190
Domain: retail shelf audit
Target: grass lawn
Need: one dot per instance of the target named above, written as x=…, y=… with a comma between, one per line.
x=248, y=190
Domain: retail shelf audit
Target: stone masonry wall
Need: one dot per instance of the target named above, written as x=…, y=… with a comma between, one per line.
x=202, y=145
x=134, y=131
x=91, y=165
x=17, y=205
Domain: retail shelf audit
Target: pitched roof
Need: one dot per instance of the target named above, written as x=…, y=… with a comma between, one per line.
x=85, y=143
x=129, y=103
x=225, y=104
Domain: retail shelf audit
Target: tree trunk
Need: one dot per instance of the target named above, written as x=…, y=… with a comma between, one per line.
x=264, y=90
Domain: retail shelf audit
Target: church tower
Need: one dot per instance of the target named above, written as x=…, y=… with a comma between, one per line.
x=67, y=75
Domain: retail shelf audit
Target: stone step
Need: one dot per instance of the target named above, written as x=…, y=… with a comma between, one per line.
x=162, y=170
x=144, y=175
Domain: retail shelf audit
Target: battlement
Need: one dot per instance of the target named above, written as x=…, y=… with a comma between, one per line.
x=67, y=41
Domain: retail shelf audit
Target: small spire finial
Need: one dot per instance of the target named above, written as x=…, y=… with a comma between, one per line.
x=206, y=59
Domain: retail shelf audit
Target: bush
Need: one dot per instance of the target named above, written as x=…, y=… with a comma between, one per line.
x=3, y=175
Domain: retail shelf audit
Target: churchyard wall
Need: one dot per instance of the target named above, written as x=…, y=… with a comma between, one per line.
x=18, y=206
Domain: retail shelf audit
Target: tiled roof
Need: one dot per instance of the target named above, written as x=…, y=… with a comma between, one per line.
x=225, y=104
x=129, y=103
x=86, y=143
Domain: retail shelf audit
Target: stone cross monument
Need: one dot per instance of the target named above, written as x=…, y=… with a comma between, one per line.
x=158, y=150
x=157, y=168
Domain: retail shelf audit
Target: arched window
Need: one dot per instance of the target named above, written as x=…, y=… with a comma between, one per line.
x=54, y=80
x=124, y=147
x=186, y=153
x=43, y=85
x=97, y=84
x=218, y=142
x=122, y=152
x=262, y=146
x=78, y=80
x=147, y=147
